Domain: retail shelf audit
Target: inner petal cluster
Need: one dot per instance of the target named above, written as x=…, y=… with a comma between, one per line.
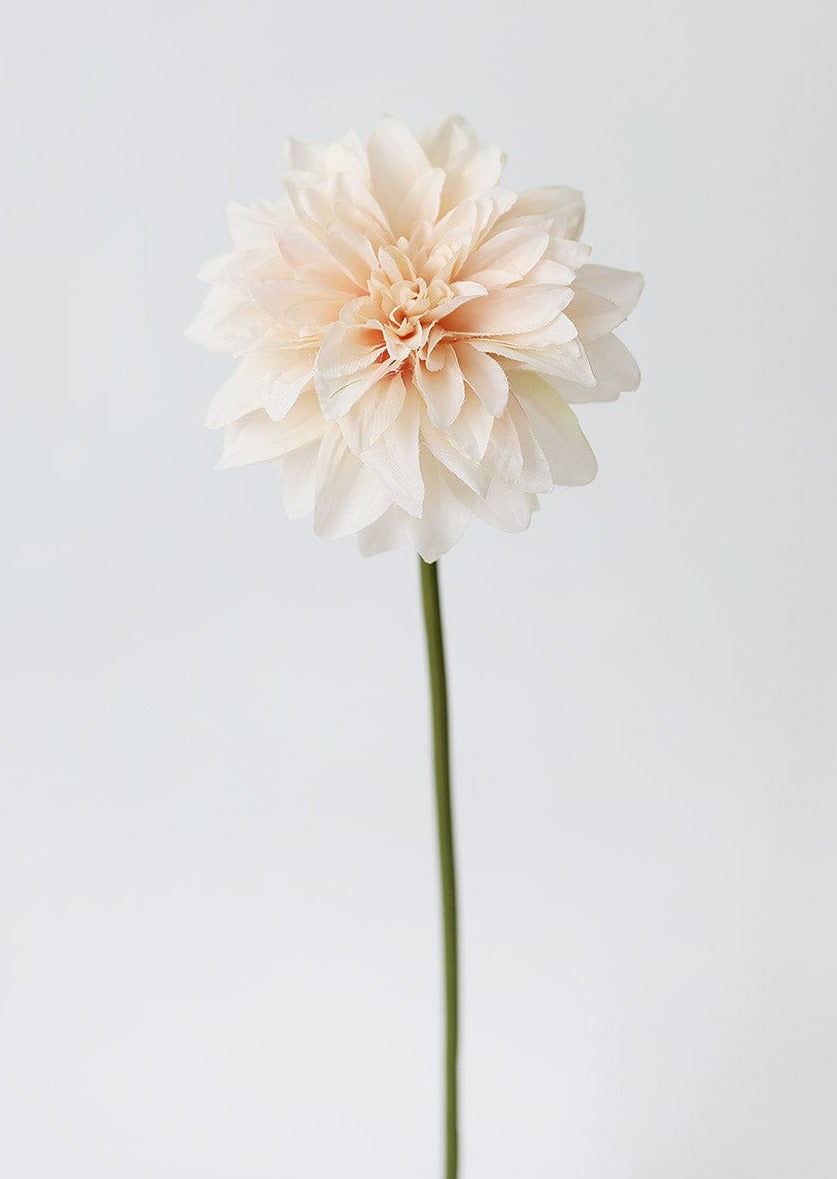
x=405, y=305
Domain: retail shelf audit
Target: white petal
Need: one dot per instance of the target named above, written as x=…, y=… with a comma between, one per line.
x=395, y=162
x=364, y=423
x=555, y=426
x=301, y=251
x=441, y=445
x=507, y=508
x=290, y=374
x=593, y=315
x=395, y=459
x=447, y=139
x=507, y=312
x=257, y=437
x=459, y=228
x=568, y=253
x=511, y=253
x=560, y=330
x=504, y=456
x=535, y=474
x=304, y=308
x=271, y=380
x=472, y=428
x=444, y=518
x=614, y=368
x=474, y=173
x=443, y=390
x=346, y=154
x=389, y=532
x=355, y=206
x=297, y=473
x=548, y=270
x=255, y=225
x=229, y=322
x=564, y=206
x=567, y=361
x=486, y=377
x=311, y=200
x=241, y=394
x=229, y=267
x=348, y=495
x=604, y=298
x=613, y=364
x=421, y=202
x=353, y=251
x=622, y=287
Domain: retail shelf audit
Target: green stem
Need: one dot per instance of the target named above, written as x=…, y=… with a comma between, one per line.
x=444, y=818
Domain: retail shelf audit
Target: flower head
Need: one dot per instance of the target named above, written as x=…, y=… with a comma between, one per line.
x=410, y=335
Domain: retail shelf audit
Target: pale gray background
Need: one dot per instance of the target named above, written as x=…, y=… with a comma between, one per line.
x=217, y=862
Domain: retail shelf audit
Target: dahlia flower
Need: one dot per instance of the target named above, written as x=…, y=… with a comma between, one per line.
x=410, y=337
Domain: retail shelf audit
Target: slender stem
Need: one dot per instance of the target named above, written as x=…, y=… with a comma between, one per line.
x=439, y=699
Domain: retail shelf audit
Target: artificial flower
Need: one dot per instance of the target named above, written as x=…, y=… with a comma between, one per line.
x=410, y=337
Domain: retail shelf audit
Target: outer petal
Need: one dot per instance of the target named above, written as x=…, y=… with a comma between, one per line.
x=271, y=380
x=354, y=205
x=556, y=428
x=242, y=393
x=257, y=437
x=366, y=421
x=302, y=308
x=396, y=161
x=230, y=322
x=564, y=206
x=353, y=251
x=535, y=475
x=254, y=226
x=348, y=496
x=421, y=202
x=614, y=368
x=622, y=287
x=448, y=139
x=395, y=459
x=472, y=428
x=475, y=172
x=289, y=378
x=613, y=364
x=445, y=516
x=390, y=531
x=441, y=445
x=604, y=298
x=297, y=473
x=567, y=361
x=504, y=455
x=344, y=155
x=506, y=508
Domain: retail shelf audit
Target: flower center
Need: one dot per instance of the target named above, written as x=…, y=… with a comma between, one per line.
x=405, y=305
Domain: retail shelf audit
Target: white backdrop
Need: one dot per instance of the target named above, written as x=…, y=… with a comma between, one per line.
x=220, y=955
